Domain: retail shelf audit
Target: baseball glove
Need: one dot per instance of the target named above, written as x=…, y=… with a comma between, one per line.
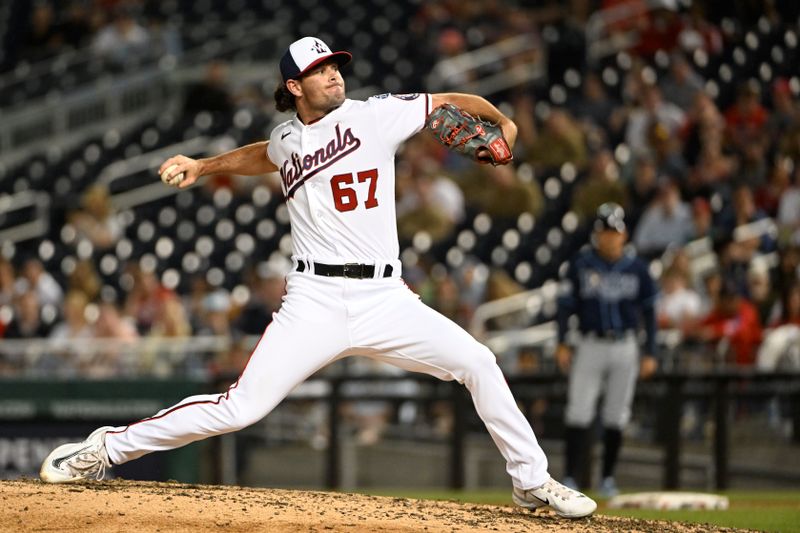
x=461, y=132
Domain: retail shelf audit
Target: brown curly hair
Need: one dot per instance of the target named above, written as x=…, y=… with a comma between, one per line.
x=284, y=99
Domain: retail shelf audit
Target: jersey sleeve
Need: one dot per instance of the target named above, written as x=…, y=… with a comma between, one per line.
x=272, y=149
x=399, y=116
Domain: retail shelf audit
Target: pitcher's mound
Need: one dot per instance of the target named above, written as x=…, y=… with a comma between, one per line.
x=123, y=506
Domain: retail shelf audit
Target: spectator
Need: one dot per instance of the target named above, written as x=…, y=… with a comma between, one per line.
x=42, y=38
x=789, y=307
x=85, y=279
x=710, y=288
x=682, y=83
x=701, y=219
x=199, y=288
x=110, y=358
x=734, y=258
x=472, y=278
x=34, y=277
x=499, y=192
x=713, y=168
x=525, y=118
x=651, y=109
x=268, y=289
x=7, y=282
x=667, y=221
x=112, y=325
x=96, y=220
x=75, y=324
x=759, y=287
x=430, y=204
x=171, y=320
x=595, y=106
x=171, y=323
x=451, y=43
x=789, y=210
x=123, y=40
x=768, y=196
x=746, y=118
x=215, y=319
x=165, y=38
x=744, y=212
x=699, y=33
x=27, y=322
x=211, y=93
x=600, y=186
x=666, y=150
x=76, y=28
x=447, y=300
x=642, y=189
x=562, y=141
x=788, y=268
x=753, y=162
x=661, y=30
x=733, y=320
x=704, y=126
x=784, y=109
x=145, y=298
x=679, y=306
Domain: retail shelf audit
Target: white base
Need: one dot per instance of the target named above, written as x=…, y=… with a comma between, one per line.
x=669, y=501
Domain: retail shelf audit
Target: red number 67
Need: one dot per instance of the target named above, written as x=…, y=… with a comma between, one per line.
x=345, y=199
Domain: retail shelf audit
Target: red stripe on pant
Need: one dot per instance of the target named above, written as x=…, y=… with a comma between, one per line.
x=215, y=402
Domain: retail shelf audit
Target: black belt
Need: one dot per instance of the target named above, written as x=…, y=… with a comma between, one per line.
x=610, y=334
x=348, y=270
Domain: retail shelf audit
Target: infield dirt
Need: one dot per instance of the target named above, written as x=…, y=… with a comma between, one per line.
x=123, y=506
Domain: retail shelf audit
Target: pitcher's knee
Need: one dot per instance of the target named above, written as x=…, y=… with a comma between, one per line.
x=244, y=414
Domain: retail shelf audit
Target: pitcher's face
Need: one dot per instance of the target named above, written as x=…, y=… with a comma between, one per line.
x=321, y=89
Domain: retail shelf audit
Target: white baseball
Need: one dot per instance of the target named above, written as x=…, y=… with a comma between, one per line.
x=169, y=179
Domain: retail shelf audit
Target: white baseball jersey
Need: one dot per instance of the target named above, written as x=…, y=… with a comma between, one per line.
x=338, y=177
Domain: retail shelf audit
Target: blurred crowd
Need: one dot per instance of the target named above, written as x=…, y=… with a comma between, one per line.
x=686, y=164
x=119, y=32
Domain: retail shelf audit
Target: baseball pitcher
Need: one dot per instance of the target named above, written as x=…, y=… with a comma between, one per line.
x=345, y=295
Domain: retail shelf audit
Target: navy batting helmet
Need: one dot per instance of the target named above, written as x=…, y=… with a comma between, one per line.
x=610, y=216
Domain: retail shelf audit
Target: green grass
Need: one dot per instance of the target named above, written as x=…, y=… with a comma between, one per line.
x=771, y=511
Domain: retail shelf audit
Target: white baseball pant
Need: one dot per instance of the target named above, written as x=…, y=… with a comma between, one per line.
x=325, y=319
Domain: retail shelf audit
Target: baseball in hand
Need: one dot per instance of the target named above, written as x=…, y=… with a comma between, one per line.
x=169, y=179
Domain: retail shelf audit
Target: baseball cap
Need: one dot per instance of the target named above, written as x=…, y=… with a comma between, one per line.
x=611, y=216
x=306, y=53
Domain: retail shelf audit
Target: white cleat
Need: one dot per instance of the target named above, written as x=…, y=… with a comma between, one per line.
x=78, y=460
x=566, y=502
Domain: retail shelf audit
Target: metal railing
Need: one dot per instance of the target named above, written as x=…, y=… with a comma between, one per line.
x=663, y=397
x=600, y=42
x=447, y=73
x=669, y=392
x=530, y=303
x=109, y=99
x=36, y=226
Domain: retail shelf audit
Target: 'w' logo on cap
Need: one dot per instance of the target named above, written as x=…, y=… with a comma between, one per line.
x=318, y=47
